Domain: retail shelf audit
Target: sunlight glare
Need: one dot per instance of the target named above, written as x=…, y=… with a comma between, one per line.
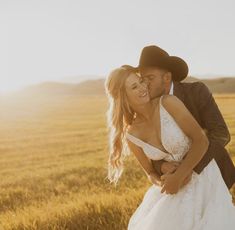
x=10, y=87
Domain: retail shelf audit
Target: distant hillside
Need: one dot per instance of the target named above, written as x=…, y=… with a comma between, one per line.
x=218, y=85
x=90, y=87
x=96, y=87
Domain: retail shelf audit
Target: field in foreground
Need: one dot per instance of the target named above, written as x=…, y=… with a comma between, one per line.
x=53, y=165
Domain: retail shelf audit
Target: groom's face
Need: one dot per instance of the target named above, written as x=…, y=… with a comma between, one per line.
x=156, y=81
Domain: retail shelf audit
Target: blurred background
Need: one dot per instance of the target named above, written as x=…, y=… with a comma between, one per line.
x=54, y=58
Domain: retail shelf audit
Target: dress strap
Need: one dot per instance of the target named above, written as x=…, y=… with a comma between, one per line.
x=134, y=140
x=160, y=100
x=161, y=106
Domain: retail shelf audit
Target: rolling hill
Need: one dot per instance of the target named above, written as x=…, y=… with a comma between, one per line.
x=96, y=87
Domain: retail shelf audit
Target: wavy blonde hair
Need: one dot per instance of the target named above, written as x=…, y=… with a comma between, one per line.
x=119, y=117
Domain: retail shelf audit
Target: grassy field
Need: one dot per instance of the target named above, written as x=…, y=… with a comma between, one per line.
x=53, y=165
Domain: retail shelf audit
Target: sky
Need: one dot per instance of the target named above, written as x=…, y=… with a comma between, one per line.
x=63, y=40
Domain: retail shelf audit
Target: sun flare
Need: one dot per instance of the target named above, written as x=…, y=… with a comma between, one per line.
x=6, y=87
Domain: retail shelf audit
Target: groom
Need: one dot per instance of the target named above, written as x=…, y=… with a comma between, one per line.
x=164, y=74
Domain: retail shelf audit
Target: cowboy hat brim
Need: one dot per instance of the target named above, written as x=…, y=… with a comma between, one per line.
x=154, y=56
x=178, y=67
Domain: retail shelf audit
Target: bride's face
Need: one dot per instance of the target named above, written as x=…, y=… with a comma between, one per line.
x=136, y=90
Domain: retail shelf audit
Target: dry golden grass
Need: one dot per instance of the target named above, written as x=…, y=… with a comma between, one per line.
x=53, y=165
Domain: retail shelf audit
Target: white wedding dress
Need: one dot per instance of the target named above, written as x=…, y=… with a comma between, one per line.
x=203, y=204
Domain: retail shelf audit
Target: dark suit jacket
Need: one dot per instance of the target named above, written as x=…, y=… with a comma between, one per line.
x=200, y=102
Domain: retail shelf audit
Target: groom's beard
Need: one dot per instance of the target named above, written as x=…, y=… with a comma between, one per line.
x=157, y=90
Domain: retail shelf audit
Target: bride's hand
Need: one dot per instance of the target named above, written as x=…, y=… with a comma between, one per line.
x=154, y=179
x=171, y=183
x=169, y=167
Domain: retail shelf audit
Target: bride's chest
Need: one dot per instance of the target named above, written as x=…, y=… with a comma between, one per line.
x=152, y=135
x=171, y=138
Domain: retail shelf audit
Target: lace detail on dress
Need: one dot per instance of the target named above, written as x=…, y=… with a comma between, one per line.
x=204, y=203
x=173, y=139
x=150, y=151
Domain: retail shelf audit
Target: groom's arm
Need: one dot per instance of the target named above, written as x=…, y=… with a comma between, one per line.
x=212, y=120
x=210, y=115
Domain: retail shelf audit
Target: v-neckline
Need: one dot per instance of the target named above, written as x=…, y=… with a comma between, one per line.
x=147, y=143
x=159, y=111
x=160, y=126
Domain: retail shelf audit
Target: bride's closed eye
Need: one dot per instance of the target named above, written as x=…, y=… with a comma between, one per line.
x=134, y=86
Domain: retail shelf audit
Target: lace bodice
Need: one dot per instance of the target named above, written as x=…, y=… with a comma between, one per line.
x=197, y=205
x=173, y=139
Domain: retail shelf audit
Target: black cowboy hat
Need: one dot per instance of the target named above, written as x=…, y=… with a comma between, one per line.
x=154, y=56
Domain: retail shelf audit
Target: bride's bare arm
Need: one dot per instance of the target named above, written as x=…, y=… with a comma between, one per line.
x=192, y=129
x=145, y=163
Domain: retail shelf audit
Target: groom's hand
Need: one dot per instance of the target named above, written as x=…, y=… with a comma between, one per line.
x=171, y=183
x=169, y=167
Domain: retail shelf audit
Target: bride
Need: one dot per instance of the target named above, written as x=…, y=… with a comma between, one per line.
x=150, y=128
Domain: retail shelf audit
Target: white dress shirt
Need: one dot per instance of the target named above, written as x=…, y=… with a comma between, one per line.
x=172, y=89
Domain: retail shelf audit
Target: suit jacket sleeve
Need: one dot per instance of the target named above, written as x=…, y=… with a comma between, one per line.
x=210, y=115
x=213, y=122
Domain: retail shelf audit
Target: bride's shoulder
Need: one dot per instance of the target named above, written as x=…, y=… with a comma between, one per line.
x=172, y=103
x=170, y=99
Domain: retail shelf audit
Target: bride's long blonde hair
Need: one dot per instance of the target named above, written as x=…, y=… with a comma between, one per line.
x=119, y=117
